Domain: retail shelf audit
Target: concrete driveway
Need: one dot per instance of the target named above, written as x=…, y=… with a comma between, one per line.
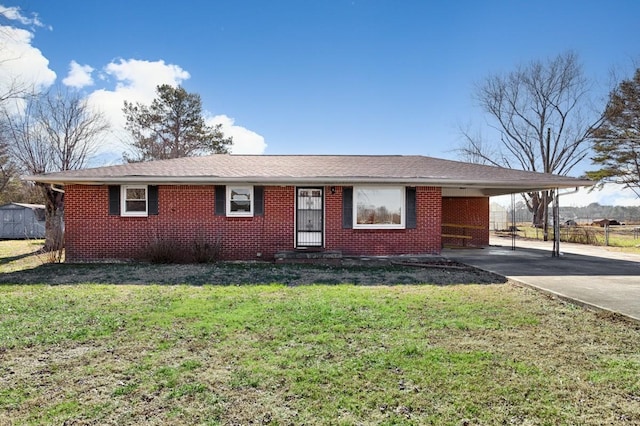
x=587, y=275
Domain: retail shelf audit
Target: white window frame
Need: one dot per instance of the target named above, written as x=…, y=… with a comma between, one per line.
x=403, y=212
x=123, y=201
x=230, y=189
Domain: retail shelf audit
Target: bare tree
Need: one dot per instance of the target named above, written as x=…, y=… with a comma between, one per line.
x=541, y=113
x=55, y=132
x=12, y=88
x=7, y=168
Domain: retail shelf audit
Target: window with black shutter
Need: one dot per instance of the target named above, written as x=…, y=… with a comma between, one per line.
x=133, y=200
x=410, y=201
x=347, y=207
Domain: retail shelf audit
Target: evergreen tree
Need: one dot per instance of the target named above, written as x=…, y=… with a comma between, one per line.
x=171, y=127
x=617, y=147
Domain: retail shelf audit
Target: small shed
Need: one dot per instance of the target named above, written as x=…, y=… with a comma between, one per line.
x=19, y=220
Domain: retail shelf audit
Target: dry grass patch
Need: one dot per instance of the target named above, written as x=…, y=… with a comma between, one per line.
x=23, y=265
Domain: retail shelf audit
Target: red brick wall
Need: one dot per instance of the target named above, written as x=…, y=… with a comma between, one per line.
x=466, y=211
x=186, y=214
x=424, y=239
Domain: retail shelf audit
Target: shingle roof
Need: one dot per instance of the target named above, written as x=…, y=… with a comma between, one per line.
x=318, y=169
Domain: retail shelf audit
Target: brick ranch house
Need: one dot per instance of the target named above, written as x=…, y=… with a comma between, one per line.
x=256, y=206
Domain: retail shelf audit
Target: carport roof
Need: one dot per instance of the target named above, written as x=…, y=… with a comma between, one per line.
x=457, y=177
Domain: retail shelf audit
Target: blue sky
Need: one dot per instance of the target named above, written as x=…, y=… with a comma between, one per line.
x=319, y=77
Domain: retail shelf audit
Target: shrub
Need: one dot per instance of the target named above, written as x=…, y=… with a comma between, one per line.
x=164, y=251
x=205, y=252
x=581, y=235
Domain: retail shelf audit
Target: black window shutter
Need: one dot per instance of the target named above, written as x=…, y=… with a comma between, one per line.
x=410, y=201
x=220, y=196
x=114, y=200
x=152, y=194
x=258, y=200
x=347, y=208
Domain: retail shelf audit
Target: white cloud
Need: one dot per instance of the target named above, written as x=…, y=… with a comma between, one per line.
x=15, y=14
x=132, y=80
x=144, y=76
x=245, y=141
x=609, y=195
x=79, y=76
x=20, y=63
x=135, y=81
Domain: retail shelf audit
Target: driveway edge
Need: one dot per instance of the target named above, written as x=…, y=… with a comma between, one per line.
x=581, y=303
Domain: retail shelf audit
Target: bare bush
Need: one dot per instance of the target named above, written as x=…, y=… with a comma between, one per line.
x=206, y=252
x=580, y=235
x=164, y=251
x=55, y=254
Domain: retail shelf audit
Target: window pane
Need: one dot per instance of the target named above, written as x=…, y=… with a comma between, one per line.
x=240, y=200
x=240, y=206
x=240, y=194
x=136, y=206
x=136, y=194
x=379, y=206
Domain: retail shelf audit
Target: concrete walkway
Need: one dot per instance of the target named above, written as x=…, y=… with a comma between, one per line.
x=587, y=275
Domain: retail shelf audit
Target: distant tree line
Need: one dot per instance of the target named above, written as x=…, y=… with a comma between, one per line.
x=596, y=211
x=583, y=215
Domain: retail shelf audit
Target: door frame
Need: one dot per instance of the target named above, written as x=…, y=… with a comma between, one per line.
x=297, y=243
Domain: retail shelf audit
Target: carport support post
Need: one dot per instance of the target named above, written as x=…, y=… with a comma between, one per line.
x=513, y=222
x=545, y=194
x=556, y=225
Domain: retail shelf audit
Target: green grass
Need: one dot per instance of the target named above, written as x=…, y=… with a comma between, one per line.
x=314, y=354
x=18, y=255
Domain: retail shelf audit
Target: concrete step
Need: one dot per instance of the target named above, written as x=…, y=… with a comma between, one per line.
x=293, y=256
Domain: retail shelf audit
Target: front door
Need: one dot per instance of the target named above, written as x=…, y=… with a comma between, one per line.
x=309, y=218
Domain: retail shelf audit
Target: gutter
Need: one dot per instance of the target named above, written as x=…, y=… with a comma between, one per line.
x=289, y=180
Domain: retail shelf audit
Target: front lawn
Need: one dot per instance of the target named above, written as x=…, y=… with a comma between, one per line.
x=310, y=354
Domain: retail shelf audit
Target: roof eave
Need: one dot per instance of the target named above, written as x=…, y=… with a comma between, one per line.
x=488, y=187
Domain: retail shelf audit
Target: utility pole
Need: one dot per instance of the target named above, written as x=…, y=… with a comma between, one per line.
x=556, y=224
x=545, y=194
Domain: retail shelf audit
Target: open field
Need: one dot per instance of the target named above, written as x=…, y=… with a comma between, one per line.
x=623, y=238
x=308, y=354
